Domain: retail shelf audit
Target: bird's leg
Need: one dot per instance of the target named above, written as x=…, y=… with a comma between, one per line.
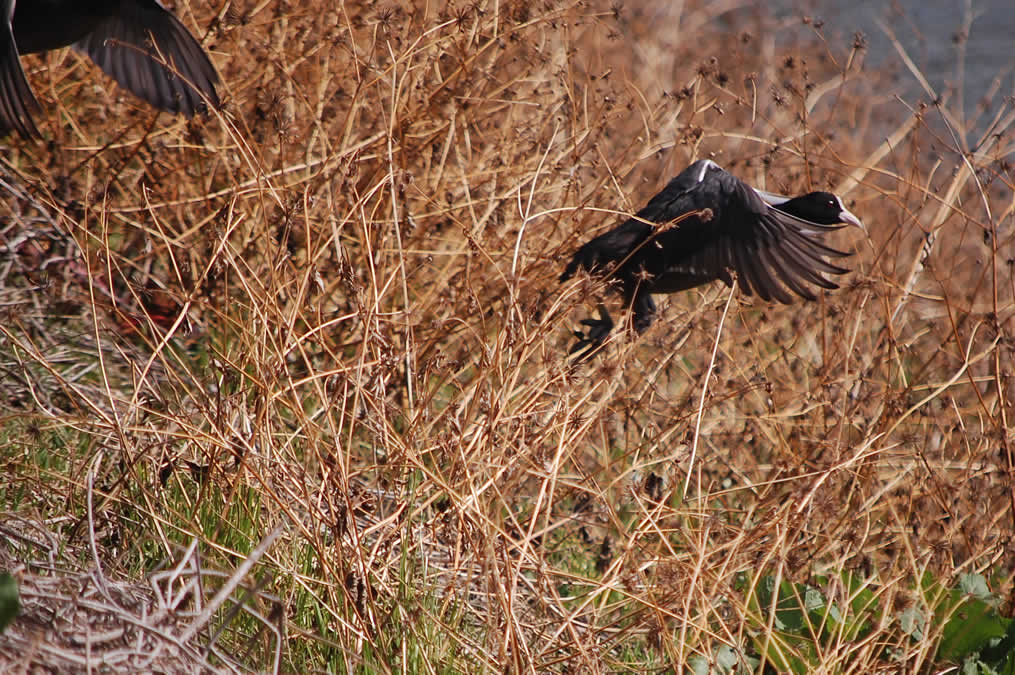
x=598, y=329
x=644, y=310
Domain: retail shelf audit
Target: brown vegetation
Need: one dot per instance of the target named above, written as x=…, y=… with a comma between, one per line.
x=333, y=307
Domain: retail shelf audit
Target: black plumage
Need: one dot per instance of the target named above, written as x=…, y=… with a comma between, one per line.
x=708, y=225
x=128, y=39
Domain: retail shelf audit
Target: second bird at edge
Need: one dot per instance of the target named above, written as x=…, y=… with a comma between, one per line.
x=706, y=225
x=128, y=39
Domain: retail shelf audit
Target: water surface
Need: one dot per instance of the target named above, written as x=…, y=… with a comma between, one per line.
x=932, y=33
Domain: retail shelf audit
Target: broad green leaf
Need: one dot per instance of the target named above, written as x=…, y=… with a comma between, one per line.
x=975, y=585
x=912, y=622
x=972, y=627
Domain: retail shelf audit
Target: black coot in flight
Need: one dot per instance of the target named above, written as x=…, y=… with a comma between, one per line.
x=705, y=225
x=128, y=39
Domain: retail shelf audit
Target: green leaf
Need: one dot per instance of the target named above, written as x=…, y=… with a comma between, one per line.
x=971, y=667
x=976, y=586
x=699, y=665
x=813, y=599
x=972, y=627
x=863, y=605
x=1000, y=654
x=9, y=603
x=912, y=622
x=789, y=615
x=727, y=660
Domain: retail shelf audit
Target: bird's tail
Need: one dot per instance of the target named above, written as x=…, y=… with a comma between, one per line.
x=572, y=267
x=590, y=257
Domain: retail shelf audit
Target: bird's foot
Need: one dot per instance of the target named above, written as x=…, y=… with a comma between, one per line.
x=592, y=339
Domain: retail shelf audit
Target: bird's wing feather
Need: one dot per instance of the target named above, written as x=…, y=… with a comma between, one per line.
x=772, y=198
x=710, y=224
x=672, y=201
x=785, y=271
x=624, y=242
x=612, y=247
x=130, y=46
x=16, y=98
x=770, y=251
x=769, y=274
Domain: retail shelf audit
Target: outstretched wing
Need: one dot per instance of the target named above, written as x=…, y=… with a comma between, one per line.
x=16, y=98
x=130, y=46
x=771, y=252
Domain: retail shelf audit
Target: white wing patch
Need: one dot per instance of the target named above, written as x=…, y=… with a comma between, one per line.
x=705, y=166
x=771, y=198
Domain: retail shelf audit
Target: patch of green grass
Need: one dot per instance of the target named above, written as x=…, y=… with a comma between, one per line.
x=795, y=625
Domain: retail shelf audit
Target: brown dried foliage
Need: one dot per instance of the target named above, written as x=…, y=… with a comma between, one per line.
x=358, y=320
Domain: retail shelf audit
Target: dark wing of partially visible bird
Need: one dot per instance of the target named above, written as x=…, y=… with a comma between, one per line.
x=16, y=98
x=131, y=45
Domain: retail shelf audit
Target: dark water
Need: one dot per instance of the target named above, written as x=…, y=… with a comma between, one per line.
x=931, y=33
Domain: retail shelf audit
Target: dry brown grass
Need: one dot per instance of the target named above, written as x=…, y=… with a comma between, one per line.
x=336, y=303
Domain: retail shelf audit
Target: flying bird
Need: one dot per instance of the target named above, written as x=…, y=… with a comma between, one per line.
x=128, y=39
x=708, y=225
